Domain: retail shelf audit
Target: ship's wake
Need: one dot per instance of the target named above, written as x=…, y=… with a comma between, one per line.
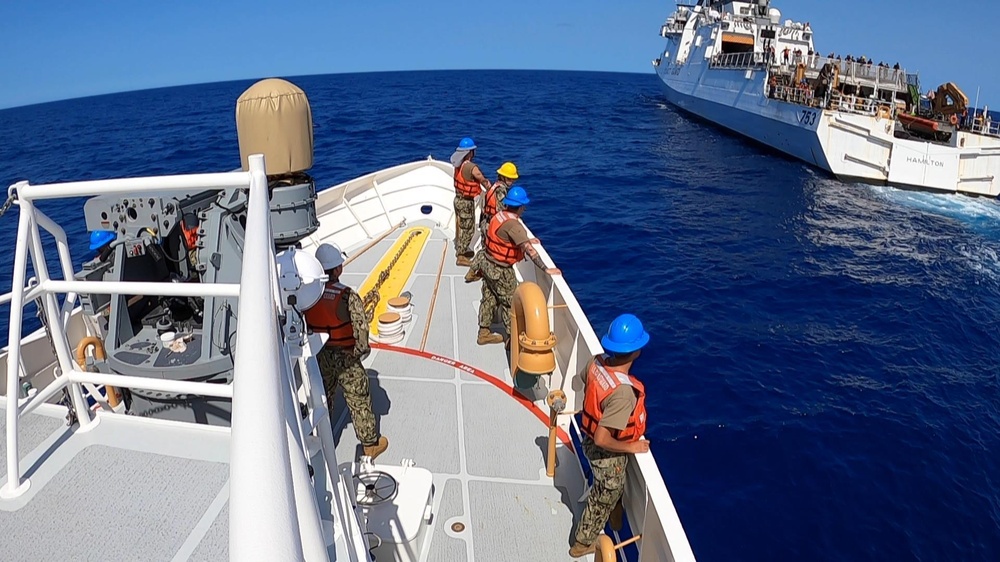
x=878, y=229
x=979, y=212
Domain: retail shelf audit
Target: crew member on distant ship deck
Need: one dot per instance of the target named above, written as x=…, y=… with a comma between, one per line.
x=469, y=183
x=614, y=420
x=506, y=244
x=341, y=314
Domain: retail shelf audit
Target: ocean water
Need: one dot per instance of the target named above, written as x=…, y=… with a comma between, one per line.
x=823, y=364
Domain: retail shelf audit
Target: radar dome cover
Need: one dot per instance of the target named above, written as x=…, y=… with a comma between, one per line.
x=273, y=118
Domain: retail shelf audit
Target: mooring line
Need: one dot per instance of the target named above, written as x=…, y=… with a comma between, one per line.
x=434, y=296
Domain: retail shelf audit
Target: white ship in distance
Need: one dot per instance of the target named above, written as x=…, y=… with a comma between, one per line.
x=738, y=65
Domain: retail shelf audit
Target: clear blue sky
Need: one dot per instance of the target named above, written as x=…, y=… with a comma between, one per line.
x=63, y=49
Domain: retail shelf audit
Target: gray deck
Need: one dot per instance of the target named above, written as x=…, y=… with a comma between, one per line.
x=486, y=450
x=168, y=483
x=96, y=488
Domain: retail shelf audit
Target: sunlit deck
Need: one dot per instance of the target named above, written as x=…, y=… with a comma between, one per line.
x=485, y=448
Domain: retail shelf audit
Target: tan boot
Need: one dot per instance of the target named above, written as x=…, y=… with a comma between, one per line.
x=473, y=275
x=463, y=261
x=486, y=337
x=580, y=549
x=378, y=448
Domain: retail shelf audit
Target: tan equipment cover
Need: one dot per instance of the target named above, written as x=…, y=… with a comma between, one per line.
x=273, y=118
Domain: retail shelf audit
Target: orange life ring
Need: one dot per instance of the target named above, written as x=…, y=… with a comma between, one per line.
x=953, y=119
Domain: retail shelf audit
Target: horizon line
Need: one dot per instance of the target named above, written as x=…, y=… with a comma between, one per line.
x=153, y=88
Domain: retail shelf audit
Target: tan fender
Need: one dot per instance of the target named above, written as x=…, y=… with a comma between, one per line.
x=100, y=355
x=531, y=339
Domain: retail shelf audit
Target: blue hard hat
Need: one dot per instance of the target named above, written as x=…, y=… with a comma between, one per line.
x=516, y=197
x=467, y=144
x=625, y=335
x=100, y=238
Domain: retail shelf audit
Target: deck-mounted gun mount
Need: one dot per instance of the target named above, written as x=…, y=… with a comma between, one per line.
x=197, y=238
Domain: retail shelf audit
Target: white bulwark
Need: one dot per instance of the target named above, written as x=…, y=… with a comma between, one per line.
x=737, y=64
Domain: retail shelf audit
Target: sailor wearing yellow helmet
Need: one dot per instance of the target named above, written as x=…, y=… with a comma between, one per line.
x=493, y=203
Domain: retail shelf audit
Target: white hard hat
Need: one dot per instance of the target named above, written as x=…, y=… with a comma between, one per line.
x=330, y=256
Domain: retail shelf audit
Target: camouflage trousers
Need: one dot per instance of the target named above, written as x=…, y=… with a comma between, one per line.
x=465, y=224
x=484, y=225
x=499, y=284
x=341, y=369
x=609, y=483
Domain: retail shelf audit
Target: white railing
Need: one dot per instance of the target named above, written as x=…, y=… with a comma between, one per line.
x=739, y=61
x=854, y=72
x=273, y=509
x=353, y=213
x=56, y=318
x=986, y=127
x=850, y=72
x=800, y=96
x=263, y=478
x=860, y=105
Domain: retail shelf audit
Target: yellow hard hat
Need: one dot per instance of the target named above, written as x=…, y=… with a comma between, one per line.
x=508, y=170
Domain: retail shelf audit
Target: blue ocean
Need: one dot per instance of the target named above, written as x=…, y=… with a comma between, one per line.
x=823, y=367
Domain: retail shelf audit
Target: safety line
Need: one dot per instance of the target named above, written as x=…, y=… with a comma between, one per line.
x=434, y=296
x=371, y=244
x=507, y=389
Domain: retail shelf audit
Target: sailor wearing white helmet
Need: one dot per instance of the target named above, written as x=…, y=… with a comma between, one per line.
x=341, y=314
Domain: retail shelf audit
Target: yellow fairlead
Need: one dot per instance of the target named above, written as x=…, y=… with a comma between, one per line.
x=398, y=264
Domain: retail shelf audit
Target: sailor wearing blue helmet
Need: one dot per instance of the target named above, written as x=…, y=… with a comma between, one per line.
x=506, y=244
x=614, y=420
x=100, y=242
x=469, y=183
x=100, y=239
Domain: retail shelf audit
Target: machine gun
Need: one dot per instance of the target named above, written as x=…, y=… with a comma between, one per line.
x=196, y=237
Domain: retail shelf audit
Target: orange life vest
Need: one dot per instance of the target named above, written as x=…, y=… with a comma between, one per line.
x=465, y=188
x=323, y=317
x=490, y=206
x=499, y=249
x=601, y=382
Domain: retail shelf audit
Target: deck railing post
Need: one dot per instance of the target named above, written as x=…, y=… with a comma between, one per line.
x=65, y=260
x=313, y=542
x=57, y=336
x=15, y=487
x=260, y=466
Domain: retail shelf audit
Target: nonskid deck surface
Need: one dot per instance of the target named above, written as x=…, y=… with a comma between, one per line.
x=92, y=492
x=486, y=449
x=168, y=482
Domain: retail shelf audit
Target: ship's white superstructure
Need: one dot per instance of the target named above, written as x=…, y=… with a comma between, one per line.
x=737, y=64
